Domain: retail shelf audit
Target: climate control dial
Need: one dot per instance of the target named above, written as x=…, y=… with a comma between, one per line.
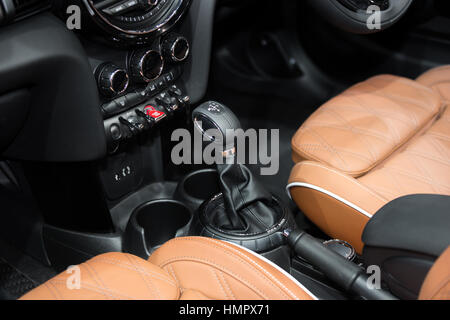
x=175, y=48
x=146, y=65
x=112, y=80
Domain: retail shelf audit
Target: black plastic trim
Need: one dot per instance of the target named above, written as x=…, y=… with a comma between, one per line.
x=64, y=121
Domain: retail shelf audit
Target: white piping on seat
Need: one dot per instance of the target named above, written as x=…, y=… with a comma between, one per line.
x=276, y=267
x=335, y=196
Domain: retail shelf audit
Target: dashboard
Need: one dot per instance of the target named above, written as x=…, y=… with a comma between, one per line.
x=132, y=65
x=139, y=68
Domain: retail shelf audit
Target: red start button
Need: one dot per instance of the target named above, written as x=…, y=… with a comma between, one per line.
x=155, y=114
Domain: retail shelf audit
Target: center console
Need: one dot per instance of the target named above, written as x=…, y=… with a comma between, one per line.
x=150, y=63
x=95, y=162
x=146, y=64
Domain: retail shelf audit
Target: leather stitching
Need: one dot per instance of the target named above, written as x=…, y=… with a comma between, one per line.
x=406, y=99
x=223, y=244
x=213, y=264
x=227, y=286
x=243, y=258
x=440, y=293
x=351, y=128
x=152, y=288
x=55, y=294
x=95, y=277
x=432, y=182
x=380, y=115
x=354, y=181
x=127, y=266
x=340, y=151
x=328, y=146
x=367, y=132
x=171, y=270
x=90, y=287
x=426, y=109
x=214, y=272
x=426, y=174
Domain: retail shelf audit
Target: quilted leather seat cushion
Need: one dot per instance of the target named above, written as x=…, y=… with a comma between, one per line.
x=191, y=268
x=422, y=166
x=110, y=276
x=439, y=80
x=358, y=129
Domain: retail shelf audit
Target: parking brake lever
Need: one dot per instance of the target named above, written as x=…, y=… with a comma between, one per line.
x=343, y=272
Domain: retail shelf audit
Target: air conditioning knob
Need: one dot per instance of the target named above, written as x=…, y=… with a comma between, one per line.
x=175, y=48
x=112, y=80
x=146, y=65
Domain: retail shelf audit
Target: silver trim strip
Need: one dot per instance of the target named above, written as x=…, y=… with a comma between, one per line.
x=335, y=196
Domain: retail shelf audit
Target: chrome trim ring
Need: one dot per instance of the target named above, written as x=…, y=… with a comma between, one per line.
x=172, y=49
x=142, y=61
x=111, y=81
x=352, y=254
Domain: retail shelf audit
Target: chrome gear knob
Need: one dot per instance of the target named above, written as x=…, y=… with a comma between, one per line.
x=217, y=124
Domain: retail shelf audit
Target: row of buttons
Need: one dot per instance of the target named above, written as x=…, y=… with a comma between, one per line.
x=146, y=116
x=129, y=100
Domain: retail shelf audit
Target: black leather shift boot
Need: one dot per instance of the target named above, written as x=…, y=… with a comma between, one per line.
x=247, y=206
x=244, y=212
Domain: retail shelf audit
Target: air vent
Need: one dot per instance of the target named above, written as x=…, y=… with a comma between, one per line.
x=26, y=8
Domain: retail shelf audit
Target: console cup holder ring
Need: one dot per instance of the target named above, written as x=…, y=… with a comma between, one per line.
x=198, y=187
x=154, y=223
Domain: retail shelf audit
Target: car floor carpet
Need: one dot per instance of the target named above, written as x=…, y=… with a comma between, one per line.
x=19, y=272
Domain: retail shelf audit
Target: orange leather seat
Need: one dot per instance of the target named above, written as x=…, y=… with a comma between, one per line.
x=437, y=283
x=379, y=140
x=190, y=268
x=198, y=269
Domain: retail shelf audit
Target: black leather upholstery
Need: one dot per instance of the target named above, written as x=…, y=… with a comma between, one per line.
x=405, y=237
x=248, y=207
x=417, y=223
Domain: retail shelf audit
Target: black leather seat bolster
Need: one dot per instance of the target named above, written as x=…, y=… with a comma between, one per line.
x=418, y=223
x=405, y=237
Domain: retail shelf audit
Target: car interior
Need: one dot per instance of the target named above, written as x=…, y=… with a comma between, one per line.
x=348, y=99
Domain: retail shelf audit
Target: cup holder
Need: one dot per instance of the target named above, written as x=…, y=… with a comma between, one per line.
x=197, y=187
x=154, y=223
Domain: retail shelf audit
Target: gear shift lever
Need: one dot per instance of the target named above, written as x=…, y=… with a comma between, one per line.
x=213, y=115
x=247, y=207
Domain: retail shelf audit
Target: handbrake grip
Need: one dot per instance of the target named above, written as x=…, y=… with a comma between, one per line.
x=343, y=272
